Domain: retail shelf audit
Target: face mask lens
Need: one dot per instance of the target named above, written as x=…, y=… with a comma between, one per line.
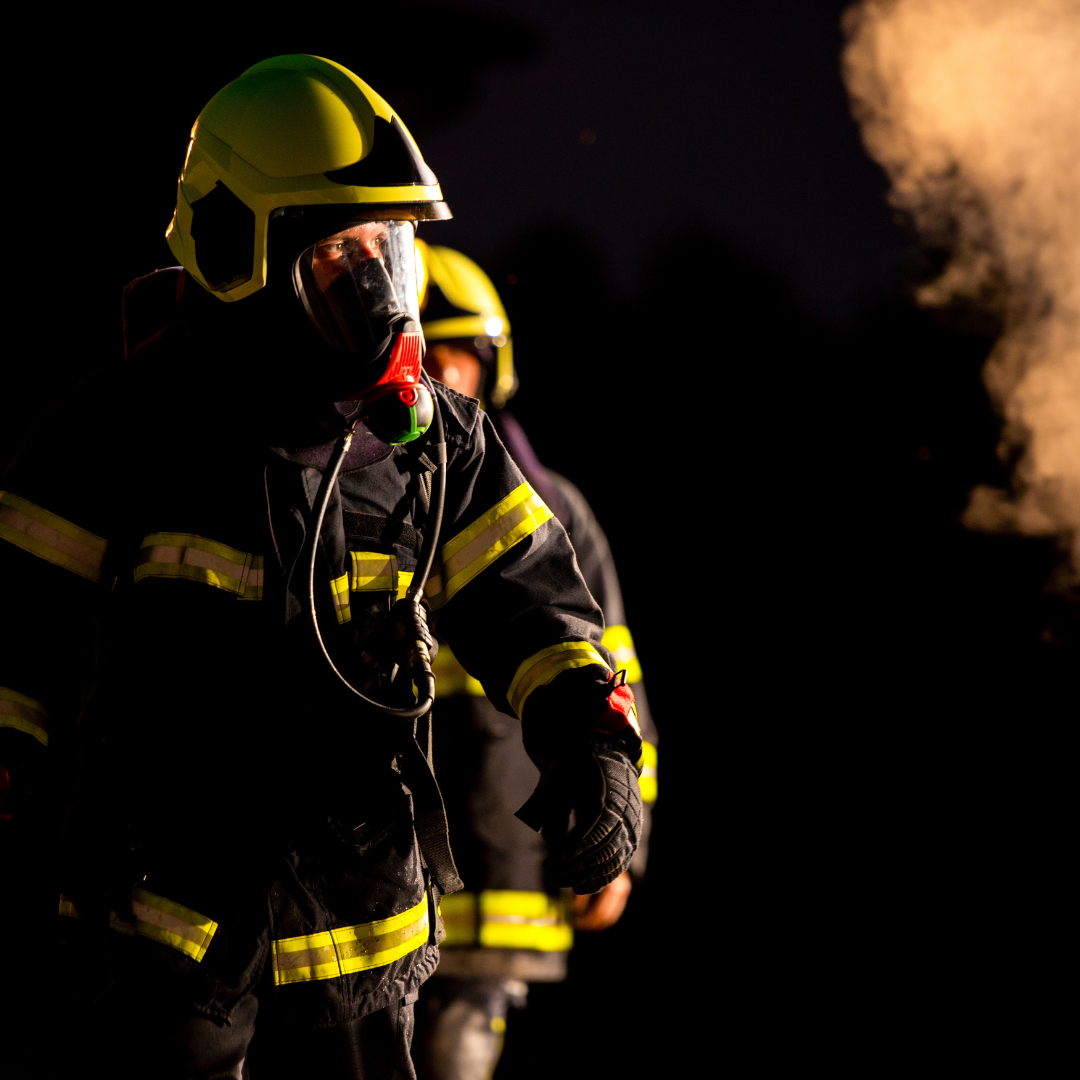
x=358, y=285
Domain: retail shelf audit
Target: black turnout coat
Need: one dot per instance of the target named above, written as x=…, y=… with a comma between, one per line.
x=160, y=679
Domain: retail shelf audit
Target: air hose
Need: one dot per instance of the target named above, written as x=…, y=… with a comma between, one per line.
x=406, y=619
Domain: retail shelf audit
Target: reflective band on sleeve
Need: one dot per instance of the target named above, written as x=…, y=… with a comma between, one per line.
x=339, y=589
x=647, y=780
x=68, y=908
x=24, y=714
x=507, y=919
x=171, y=923
x=620, y=644
x=451, y=679
x=545, y=665
x=50, y=537
x=507, y=523
x=347, y=949
x=184, y=555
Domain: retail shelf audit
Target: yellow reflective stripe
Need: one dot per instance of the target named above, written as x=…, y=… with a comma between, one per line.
x=647, y=779
x=24, y=714
x=50, y=537
x=171, y=923
x=67, y=908
x=347, y=949
x=458, y=911
x=517, y=919
x=373, y=571
x=507, y=919
x=620, y=644
x=542, y=667
x=194, y=558
x=507, y=523
x=339, y=590
x=451, y=679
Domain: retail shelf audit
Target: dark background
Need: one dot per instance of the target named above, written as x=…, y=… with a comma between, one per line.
x=713, y=328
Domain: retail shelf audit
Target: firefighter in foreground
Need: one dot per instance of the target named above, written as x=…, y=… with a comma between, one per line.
x=508, y=927
x=217, y=657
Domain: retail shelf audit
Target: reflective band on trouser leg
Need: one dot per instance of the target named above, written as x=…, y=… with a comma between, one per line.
x=513, y=919
x=50, y=537
x=24, y=714
x=194, y=558
x=347, y=949
x=647, y=780
x=545, y=665
x=452, y=680
x=620, y=644
x=171, y=923
x=507, y=523
x=459, y=911
x=375, y=572
x=339, y=590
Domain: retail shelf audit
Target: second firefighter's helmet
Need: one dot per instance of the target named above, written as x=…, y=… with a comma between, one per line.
x=459, y=306
x=291, y=132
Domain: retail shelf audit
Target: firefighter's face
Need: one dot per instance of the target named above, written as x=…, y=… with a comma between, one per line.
x=334, y=256
x=454, y=367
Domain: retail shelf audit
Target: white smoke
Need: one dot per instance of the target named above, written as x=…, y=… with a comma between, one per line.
x=973, y=109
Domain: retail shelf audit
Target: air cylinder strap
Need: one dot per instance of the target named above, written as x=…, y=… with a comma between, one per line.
x=429, y=814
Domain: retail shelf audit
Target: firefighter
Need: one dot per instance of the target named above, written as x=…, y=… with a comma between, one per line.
x=509, y=926
x=221, y=557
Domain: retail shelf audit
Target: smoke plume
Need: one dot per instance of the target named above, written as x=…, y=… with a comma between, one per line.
x=973, y=109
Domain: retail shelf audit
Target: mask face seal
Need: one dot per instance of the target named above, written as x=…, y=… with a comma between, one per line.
x=358, y=285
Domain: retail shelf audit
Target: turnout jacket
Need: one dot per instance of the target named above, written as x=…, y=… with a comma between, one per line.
x=154, y=532
x=508, y=922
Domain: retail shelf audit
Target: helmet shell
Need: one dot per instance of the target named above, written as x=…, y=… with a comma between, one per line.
x=294, y=130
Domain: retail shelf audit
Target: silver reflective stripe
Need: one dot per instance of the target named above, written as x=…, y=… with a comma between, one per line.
x=195, y=558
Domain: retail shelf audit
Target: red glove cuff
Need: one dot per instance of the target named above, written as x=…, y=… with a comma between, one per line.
x=619, y=717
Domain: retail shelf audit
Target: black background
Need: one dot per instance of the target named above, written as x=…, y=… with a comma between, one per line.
x=859, y=702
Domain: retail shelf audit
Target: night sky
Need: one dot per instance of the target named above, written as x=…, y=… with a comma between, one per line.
x=715, y=341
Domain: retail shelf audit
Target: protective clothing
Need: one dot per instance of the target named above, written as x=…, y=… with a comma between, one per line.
x=511, y=925
x=156, y=526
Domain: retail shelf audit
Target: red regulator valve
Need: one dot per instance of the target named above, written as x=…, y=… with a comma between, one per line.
x=619, y=718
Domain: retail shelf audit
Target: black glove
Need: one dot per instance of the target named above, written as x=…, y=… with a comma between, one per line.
x=599, y=784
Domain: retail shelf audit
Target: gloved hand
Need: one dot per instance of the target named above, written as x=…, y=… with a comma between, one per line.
x=598, y=783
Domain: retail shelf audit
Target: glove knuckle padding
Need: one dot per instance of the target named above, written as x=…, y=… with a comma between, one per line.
x=609, y=816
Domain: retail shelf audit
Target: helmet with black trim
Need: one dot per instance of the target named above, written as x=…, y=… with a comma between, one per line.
x=461, y=311
x=298, y=176
x=291, y=132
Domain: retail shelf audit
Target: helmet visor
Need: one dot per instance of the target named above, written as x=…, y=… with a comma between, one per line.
x=359, y=285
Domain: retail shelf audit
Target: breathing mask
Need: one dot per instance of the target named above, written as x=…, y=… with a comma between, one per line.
x=358, y=287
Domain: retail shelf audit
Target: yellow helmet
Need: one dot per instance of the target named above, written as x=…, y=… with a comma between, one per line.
x=292, y=131
x=459, y=302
